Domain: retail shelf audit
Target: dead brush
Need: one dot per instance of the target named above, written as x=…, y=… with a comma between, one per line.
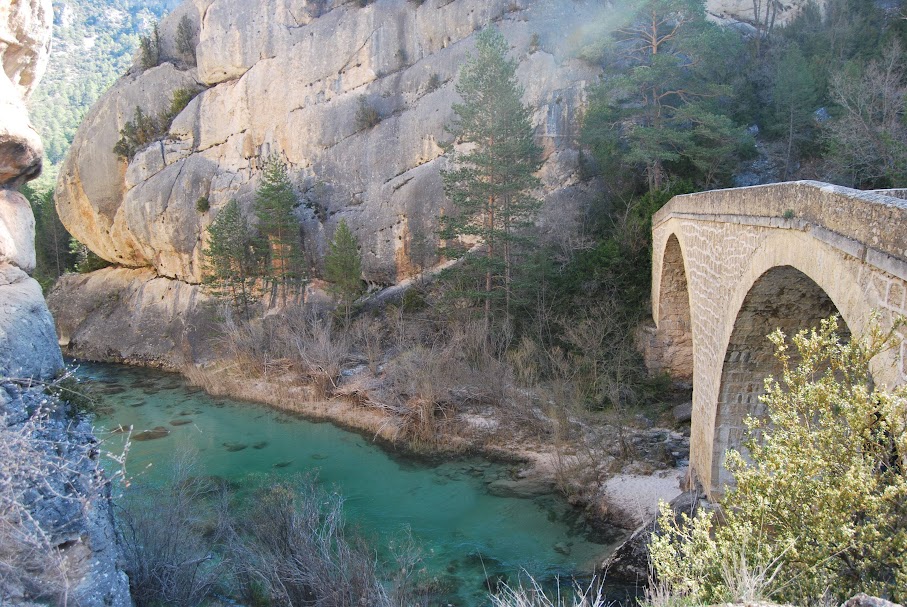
x=42, y=471
x=320, y=351
x=419, y=381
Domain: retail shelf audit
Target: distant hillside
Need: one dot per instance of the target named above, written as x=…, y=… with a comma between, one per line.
x=93, y=44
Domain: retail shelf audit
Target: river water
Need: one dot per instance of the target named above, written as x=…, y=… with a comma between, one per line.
x=467, y=534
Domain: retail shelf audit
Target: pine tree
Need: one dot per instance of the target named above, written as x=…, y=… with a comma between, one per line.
x=343, y=266
x=660, y=109
x=52, y=252
x=233, y=258
x=275, y=201
x=796, y=95
x=491, y=186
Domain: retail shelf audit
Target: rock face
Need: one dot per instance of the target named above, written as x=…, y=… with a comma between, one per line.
x=28, y=345
x=286, y=77
x=741, y=11
x=159, y=322
x=49, y=463
x=68, y=500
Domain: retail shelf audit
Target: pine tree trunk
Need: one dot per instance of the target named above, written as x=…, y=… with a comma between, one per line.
x=490, y=257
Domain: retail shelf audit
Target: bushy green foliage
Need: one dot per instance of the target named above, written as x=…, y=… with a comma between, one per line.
x=819, y=510
x=275, y=202
x=89, y=51
x=660, y=109
x=85, y=259
x=137, y=133
x=234, y=258
x=150, y=48
x=185, y=39
x=145, y=128
x=53, y=255
x=343, y=266
x=491, y=186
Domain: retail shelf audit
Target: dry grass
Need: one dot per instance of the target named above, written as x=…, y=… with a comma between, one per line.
x=532, y=595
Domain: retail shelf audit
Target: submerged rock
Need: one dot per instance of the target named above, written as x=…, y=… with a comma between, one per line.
x=180, y=422
x=153, y=434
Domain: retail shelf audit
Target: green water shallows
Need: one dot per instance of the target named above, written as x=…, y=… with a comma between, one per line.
x=466, y=533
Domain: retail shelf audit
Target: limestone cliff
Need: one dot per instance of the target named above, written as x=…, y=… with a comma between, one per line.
x=744, y=11
x=47, y=461
x=287, y=77
x=28, y=345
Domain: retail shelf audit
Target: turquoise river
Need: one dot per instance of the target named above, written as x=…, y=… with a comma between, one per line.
x=468, y=535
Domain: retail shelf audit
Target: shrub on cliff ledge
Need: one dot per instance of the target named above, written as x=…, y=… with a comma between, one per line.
x=819, y=511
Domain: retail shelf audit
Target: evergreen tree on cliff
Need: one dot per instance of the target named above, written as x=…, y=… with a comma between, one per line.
x=233, y=258
x=343, y=266
x=493, y=179
x=275, y=201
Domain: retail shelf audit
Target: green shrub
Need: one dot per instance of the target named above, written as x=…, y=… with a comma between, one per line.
x=203, y=205
x=185, y=38
x=150, y=49
x=145, y=128
x=136, y=134
x=366, y=116
x=434, y=82
x=179, y=101
x=819, y=511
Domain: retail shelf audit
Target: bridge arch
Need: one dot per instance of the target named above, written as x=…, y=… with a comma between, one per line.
x=758, y=258
x=781, y=298
x=672, y=315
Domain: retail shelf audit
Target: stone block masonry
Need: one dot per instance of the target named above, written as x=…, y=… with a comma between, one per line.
x=730, y=266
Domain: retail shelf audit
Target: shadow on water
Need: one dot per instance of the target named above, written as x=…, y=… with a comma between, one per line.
x=469, y=536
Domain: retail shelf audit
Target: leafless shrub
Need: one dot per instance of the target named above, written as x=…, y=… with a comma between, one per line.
x=420, y=381
x=293, y=547
x=320, y=351
x=168, y=557
x=43, y=469
x=532, y=595
x=29, y=560
x=366, y=334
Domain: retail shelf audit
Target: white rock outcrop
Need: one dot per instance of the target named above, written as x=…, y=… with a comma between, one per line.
x=28, y=345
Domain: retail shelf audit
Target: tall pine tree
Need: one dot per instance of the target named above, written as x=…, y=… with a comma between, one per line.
x=233, y=258
x=275, y=200
x=343, y=267
x=492, y=182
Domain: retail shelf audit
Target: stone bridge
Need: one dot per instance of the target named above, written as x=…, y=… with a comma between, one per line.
x=730, y=266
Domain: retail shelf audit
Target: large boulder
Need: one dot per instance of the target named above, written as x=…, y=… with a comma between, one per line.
x=132, y=315
x=28, y=341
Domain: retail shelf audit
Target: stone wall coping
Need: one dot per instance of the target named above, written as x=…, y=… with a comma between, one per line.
x=866, y=221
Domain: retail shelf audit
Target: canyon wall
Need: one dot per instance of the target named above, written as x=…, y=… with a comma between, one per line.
x=288, y=77
x=28, y=344
x=49, y=459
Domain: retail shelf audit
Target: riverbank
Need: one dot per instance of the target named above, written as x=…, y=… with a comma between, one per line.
x=615, y=475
